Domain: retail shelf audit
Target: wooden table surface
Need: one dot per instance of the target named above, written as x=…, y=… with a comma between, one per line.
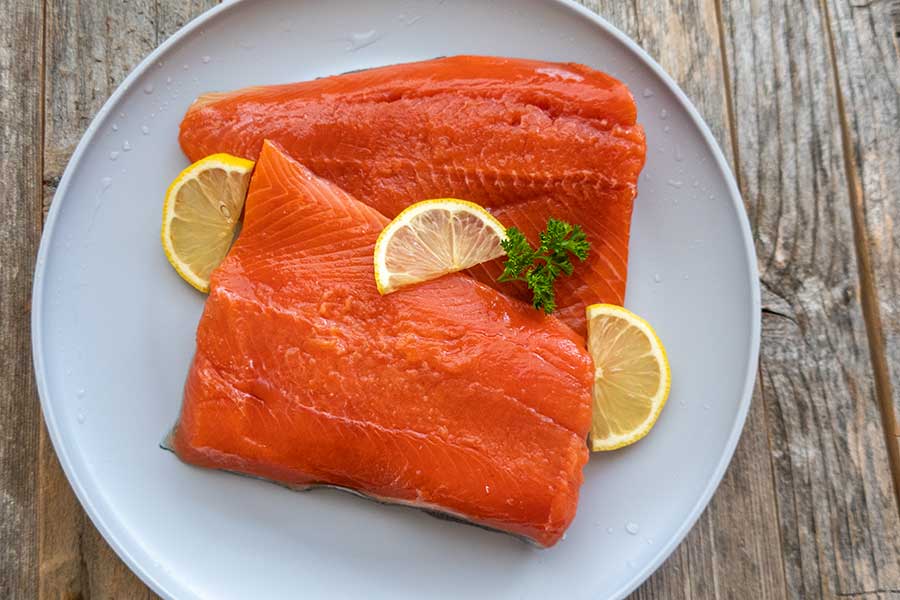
x=804, y=98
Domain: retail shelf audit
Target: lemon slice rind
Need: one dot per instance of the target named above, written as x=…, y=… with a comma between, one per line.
x=643, y=390
x=200, y=215
x=433, y=253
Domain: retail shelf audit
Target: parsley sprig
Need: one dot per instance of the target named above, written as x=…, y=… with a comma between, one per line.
x=539, y=268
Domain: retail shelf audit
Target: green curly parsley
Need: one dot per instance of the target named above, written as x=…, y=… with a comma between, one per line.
x=540, y=268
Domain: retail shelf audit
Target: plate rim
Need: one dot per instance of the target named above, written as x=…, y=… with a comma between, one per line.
x=737, y=426
x=37, y=296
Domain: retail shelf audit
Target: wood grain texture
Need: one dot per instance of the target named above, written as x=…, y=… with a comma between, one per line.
x=21, y=39
x=864, y=39
x=838, y=517
x=91, y=47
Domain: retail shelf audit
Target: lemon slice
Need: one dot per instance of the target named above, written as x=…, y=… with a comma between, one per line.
x=200, y=215
x=432, y=238
x=631, y=376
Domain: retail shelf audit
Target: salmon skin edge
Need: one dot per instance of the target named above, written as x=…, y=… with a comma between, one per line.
x=437, y=513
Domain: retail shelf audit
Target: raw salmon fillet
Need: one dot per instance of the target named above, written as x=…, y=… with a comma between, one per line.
x=447, y=395
x=528, y=139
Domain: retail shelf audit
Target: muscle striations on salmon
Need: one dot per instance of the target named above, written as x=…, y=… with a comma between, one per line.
x=446, y=395
x=528, y=139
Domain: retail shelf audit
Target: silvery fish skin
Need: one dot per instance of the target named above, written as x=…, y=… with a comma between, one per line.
x=433, y=511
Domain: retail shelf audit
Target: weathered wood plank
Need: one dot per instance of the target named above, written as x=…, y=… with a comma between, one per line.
x=683, y=36
x=21, y=40
x=59, y=534
x=91, y=47
x=839, y=523
x=865, y=38
x=172, y=15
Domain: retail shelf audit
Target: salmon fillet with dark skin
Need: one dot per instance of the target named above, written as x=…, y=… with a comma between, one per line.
x=527, y=139
x=446, y=395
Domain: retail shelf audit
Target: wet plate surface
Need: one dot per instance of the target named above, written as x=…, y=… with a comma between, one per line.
x=114, y=327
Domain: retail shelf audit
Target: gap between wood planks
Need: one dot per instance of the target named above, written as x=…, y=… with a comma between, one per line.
x=43, y=435
x=868, y=291
x=895, y=15
x=38, y=208
x=729, y=101
x=736, y=157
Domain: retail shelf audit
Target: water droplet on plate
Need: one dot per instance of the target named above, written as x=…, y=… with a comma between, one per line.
x=168, y=81
x=649, y=541
x=186, y=67
x=675, y=183
x=648, y=93
x=657, y=278
x=632, y=528
x=68, y=371
x=663, y=114
x=358, y=41
x=113, y=155
x=685, y=277
x=145, y=130
x=115, y=127
x=148, y=89
x=409, y=20
x=80, y=392
x=667, y=129
x=678, y=155
x=126, y=146
x=706, y=406
x=205, y=60
x=122, y=114
x=80, y=416
x=105, y=183
x=610, y=530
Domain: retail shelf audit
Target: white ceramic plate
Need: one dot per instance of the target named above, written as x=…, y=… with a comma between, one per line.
x=113, y=328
